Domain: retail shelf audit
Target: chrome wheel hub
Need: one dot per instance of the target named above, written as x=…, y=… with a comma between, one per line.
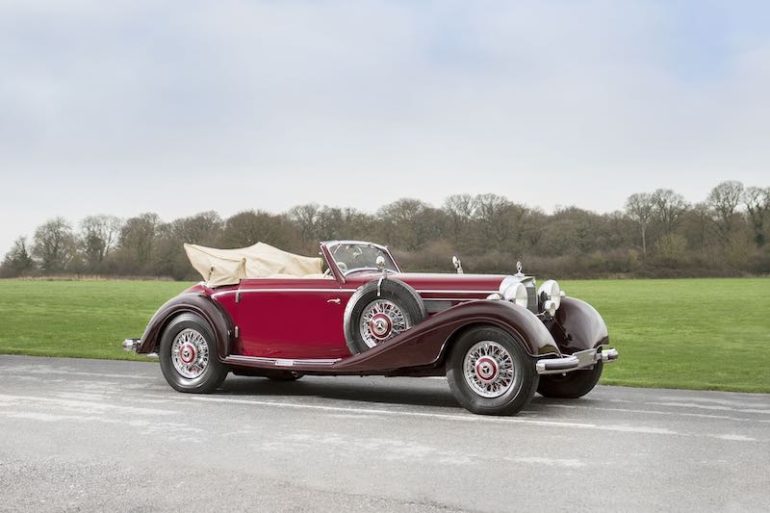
x=190, y=353
x=380, y=326
x=488, y=369
x=381, y=320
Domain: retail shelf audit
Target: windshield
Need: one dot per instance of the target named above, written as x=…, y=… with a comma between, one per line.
x=359, y=256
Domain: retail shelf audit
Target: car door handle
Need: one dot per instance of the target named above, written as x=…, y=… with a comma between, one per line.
x=336, y=300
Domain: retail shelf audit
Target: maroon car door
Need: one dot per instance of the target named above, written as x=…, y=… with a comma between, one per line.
x=291, y=318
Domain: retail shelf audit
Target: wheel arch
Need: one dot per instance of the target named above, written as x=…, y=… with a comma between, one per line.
x=520, y=337
x=198, y=304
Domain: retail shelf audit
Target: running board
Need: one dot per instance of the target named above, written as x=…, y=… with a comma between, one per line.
x=282, y=363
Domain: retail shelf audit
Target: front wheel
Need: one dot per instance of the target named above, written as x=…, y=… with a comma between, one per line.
x=188, y=356
x=490, y=373
x=570, y=385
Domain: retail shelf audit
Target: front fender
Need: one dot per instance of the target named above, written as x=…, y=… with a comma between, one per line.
x=189, y=302
x=578, y=326
x=427, y=343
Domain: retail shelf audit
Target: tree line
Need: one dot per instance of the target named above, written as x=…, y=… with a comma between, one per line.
x=657, y=234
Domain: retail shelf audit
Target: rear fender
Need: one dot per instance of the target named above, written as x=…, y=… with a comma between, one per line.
x=199, y=304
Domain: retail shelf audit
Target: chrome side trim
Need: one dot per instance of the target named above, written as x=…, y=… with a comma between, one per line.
x=351, y=291
x=281, y=362
x=238, y=292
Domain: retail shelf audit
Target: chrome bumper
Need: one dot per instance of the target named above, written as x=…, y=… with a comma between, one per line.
x=131, y=344
x=576, y=361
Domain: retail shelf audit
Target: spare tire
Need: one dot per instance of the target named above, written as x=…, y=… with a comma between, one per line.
x=380, y=310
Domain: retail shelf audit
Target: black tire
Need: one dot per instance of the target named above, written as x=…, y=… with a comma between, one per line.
x=570, y=385
x=525, y=377
x=395, y=291
x=214, y=372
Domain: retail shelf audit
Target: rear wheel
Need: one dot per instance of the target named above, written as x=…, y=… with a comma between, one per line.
x=188, y=356
x=490, y=373
x=570, y=385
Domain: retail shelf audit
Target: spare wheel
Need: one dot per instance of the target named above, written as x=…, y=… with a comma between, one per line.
x=379, y=311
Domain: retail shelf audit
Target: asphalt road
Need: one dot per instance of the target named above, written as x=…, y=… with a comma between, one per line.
x=89, y=435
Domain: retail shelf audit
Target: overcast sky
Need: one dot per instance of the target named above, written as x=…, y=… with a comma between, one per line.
x=124, y=107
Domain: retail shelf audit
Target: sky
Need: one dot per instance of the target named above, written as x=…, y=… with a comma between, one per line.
x=177, y=107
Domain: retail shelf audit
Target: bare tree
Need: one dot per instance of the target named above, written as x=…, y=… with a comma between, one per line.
x=17, y=261
x=490, y=211
x=54, y=245
x=640, y=207
x=669, y=207
x=757, y=202
x=137, y=240
x=724, y=200
x=460, y=209
x=306, y=218
x=98, y=236
x=250, y=227
x=331, y=224
x=203, y=228
x=403, y=224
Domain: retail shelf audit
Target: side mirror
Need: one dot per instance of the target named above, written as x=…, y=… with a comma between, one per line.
x=458, y=265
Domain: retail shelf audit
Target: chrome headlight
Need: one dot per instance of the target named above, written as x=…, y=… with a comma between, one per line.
x=550, y=295
x=513, y=290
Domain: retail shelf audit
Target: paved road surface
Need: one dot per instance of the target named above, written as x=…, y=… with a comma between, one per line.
x=88, y=435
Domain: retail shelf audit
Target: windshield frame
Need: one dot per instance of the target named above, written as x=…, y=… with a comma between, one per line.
x=328, y=249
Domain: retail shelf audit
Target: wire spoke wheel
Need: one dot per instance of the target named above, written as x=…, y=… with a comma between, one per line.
x=190, y=353
x=382, y=320
x=488, y=369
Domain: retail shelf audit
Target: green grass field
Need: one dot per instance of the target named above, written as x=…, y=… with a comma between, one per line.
x=700, y=334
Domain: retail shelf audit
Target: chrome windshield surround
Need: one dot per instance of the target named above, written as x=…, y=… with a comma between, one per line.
x=333, y=246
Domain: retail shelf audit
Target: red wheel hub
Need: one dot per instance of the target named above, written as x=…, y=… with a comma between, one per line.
x=188, y=354
x=487, y=368
x=381, y=326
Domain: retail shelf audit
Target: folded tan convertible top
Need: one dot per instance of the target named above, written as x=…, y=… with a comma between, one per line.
x=229, y=266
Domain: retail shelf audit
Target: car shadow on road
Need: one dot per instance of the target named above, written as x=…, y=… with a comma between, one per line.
x=417, y=392
x=414, y=392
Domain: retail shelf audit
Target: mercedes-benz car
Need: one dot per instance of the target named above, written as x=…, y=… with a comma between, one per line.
x=265, y=312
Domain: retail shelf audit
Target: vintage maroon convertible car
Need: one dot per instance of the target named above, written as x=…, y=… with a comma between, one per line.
x=265, y=312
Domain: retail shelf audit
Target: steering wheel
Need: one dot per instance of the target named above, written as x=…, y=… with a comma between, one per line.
x=341, y=265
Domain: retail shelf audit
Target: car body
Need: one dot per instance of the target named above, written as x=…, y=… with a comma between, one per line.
x=364, y=316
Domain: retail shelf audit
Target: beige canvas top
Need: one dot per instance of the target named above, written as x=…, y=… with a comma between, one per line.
x=229, y=266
